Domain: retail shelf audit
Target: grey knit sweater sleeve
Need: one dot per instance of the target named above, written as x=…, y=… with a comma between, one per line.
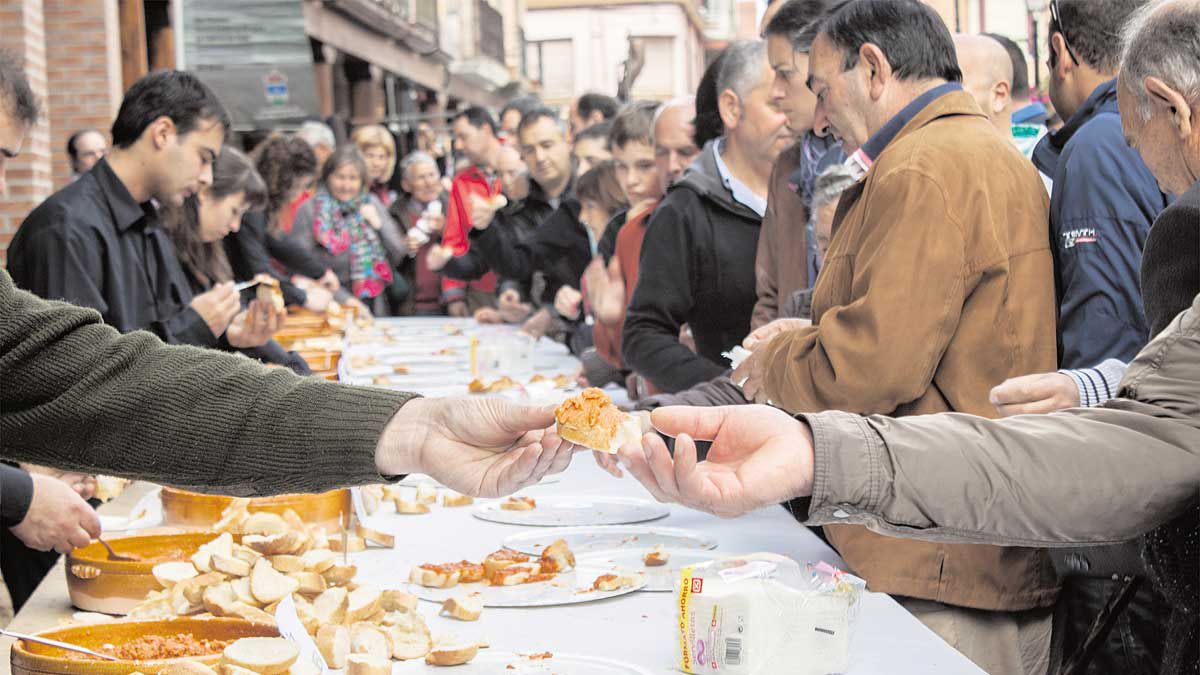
x=77, y=395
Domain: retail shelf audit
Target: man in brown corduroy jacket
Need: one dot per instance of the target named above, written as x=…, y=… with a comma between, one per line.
x=937, y=286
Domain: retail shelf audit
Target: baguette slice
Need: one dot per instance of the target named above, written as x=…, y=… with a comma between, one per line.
x=234, y=567
x=434, y=576
x=656, y=557
x=330, y=606
x=463, y=608
x=267, y=656
x=407, y=508
x=363, y=664
x=393, y=600
x=592, y=421
x=451, y=655
x=186, y=668
x=168, y=574
x=363, y=603
x=333, y=641
x=451, y=499
x=367, y=638
x=268, y=585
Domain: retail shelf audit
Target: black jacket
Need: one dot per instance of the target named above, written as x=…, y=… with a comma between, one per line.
x=514, y=224
x=560, y=248
x=1171, y=261
x=697, y=267
x=93, y=245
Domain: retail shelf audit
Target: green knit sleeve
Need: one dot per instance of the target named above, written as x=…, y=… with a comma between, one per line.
x=78, y=395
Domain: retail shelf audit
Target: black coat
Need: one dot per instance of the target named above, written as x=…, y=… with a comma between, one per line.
x=514, y=224
x=560, y=248
x=697, y=267
x=1171, y=261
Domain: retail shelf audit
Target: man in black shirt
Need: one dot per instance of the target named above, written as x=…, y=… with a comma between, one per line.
x=98, y=242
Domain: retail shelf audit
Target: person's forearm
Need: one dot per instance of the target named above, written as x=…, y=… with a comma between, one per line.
x=1084, y=476
x=657, y=354
x=77, y=395
x=16, y=493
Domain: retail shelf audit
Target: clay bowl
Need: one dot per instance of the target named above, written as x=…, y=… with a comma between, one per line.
x=36, y=659
x=97, y=584
x=191, y=509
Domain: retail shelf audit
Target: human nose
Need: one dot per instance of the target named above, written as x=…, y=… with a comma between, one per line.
x=820, y=121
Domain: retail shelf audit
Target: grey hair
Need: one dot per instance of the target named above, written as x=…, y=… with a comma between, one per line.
x=413, y=159
x=1163, y=40
x=316, y=133
x=830, y=184
x=742, y=68
x=686, y=101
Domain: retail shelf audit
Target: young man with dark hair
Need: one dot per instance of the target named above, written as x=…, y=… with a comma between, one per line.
x=786, y=260
x=591, y=147
x=592, y=108
x=475, y=137
x=84, y=148
x=98, y=242
x=611, y=277
x=936, y=283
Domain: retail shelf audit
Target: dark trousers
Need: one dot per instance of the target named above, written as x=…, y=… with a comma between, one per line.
x=1135, y=644
x=23, y=568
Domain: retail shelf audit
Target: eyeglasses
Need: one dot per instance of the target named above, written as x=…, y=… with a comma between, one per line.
x=1056, y=22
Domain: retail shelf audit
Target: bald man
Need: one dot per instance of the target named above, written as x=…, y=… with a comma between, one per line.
x=674, y=147
x=987, y=76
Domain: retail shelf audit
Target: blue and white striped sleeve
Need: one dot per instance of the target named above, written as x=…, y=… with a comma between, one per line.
x=1098, y=383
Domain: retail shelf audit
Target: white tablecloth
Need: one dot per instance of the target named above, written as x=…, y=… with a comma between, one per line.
x=639, y=628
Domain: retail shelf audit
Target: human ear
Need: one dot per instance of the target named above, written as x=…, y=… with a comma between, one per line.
x=873, y=58
x=1173, y=103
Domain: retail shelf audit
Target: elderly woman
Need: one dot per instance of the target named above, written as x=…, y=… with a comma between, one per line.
x=420, y=214
x=378, y=149
x=349, y=230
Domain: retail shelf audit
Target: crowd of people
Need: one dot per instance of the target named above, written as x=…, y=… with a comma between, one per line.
x=878, y=212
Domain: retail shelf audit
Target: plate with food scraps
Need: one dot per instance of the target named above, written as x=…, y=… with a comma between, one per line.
x=661, y=566
x=489, y=662
x=570, y=511
x=599, y=538
x=575, y=586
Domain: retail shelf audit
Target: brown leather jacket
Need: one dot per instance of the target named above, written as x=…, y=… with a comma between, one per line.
x=781, y=262
x=937, y=286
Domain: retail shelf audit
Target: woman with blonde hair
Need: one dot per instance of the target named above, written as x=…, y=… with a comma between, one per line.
x=378, y=149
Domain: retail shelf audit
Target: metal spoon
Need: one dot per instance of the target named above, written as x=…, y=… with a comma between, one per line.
x=55, y=643
x=113, y=555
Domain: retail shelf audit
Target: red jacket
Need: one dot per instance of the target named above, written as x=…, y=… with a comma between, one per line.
x=470, y=181
x=629, y=250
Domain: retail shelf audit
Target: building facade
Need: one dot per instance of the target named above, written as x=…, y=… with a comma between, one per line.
x=576, y=46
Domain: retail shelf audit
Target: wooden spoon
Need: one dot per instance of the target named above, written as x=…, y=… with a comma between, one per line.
x=113, y=555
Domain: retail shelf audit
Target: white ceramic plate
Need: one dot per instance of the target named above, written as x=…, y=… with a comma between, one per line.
x=590, y=539
x=571, y=511
x=490, y=662
x=658, y=579
x=568, y=588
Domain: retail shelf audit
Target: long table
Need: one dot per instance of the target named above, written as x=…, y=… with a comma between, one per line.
x=638, y=628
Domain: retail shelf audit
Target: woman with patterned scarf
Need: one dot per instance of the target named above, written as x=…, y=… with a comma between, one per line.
x=349, y=230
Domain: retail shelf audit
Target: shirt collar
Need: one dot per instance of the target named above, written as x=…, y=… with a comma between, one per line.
x=864, y=158
x=126, y=211
x=741, y=194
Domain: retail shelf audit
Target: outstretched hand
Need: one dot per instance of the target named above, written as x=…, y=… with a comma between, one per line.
x=759, y=456
x=487, y=447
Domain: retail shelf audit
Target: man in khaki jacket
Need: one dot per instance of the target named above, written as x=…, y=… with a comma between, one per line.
x=1084, y=476
x=937, y=285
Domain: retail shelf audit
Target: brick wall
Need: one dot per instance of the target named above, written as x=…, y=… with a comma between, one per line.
x=82, y=97
x=28, y=175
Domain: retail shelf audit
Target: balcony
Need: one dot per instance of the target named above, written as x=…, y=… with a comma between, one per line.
x=483, y=63
x=411, y=21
